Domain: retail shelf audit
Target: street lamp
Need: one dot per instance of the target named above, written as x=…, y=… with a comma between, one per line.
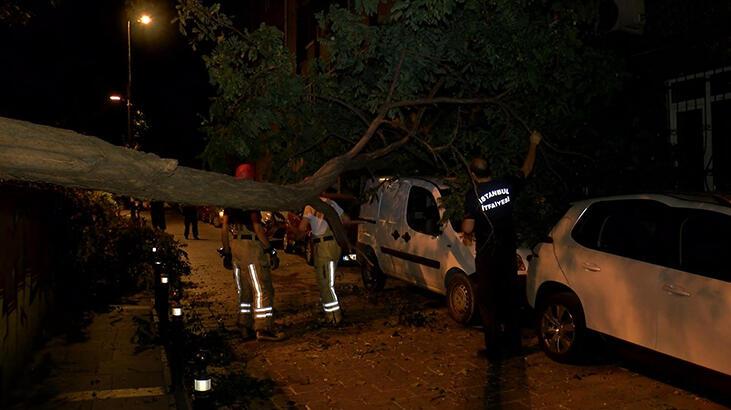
x=144, y=19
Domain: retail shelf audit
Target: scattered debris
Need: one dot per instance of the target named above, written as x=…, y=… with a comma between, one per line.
x=416, y=318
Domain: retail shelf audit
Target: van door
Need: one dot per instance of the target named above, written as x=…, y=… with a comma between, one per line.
x=421, y=238
x=390, y=227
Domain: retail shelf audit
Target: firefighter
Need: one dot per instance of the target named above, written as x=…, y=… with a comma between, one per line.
x=488, y=220
x=247, y=251
x=326, y=256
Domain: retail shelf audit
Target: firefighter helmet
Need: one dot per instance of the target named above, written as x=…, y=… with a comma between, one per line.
x=245, y=171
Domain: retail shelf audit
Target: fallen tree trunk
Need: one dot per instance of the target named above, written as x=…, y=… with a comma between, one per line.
x=32, y=152
x=37, y=153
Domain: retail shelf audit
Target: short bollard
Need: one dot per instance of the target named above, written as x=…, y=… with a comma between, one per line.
x=202, y=386
x=161, y=294
x=175, y=341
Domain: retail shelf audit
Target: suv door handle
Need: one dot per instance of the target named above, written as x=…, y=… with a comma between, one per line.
x=591, y=267
x=670, y=288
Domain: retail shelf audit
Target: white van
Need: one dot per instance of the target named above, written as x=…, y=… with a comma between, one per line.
x=400, y=236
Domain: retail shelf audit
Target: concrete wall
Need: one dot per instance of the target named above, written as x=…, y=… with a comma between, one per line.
x=26, y=276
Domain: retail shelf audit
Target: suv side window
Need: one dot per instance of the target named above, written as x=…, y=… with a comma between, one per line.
x=705, y=239
x=637, y=229
x=422, y=212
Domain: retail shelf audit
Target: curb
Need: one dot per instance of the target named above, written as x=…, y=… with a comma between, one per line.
x=182, y=399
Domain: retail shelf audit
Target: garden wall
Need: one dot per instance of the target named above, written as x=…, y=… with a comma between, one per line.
x=26, y=275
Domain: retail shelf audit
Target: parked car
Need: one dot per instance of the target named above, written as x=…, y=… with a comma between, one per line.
x=646, y=269
x=211, y=214
x=402, y=236
x=275, y=227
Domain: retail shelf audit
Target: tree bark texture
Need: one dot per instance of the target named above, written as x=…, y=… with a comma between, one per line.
x=37, y=153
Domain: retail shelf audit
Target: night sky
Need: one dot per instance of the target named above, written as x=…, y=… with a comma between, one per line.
x=61, y=67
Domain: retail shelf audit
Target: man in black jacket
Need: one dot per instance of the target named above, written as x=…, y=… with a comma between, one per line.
x=489, y=216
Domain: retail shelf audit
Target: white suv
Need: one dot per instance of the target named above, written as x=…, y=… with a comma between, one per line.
x=647, y=269
x=400, y=235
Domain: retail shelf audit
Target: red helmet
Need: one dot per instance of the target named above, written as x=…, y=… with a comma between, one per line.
x=245, y=171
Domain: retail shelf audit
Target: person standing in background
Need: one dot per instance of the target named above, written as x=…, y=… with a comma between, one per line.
x=190, y=218
x=157, y=214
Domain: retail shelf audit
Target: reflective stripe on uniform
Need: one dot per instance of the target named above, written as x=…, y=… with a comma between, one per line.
x=237, y=278
x=334, y=305
x=331, y=269
x=255, y=281
x=245, y=307
x=260, y=312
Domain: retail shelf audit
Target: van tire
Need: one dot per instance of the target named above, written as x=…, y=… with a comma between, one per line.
x=373, y=277
x=461, y=299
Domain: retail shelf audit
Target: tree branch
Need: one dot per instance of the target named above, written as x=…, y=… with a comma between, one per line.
x=447, y=100
x=345, y=104
x=396, y=76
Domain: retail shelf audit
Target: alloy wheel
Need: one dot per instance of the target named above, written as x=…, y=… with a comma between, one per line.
x=558, y=328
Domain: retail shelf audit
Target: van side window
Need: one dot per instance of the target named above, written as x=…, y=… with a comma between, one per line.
x=705, y=238
x=422, y=212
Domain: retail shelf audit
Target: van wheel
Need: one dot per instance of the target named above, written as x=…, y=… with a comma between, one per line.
x=561, y=327
x=461, y=298
x=373, y=277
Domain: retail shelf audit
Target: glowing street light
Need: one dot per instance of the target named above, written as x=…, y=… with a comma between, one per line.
x=143, y=19
x=115, y=98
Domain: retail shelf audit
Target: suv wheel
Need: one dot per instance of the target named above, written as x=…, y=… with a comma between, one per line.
x=373, y=277
x=561, y=327
x=461, y=298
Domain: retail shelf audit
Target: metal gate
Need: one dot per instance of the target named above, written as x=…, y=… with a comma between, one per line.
x=699, y=108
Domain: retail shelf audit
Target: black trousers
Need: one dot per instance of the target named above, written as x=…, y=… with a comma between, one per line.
x=498, y=299
x=191, y=220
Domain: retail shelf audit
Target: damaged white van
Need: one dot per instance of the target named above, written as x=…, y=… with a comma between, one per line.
x=400, y=235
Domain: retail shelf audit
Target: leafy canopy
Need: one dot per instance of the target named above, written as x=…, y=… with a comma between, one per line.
x=497, y=67
x=532, y=52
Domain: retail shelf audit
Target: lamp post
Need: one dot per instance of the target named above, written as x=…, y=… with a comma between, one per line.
x=144, y=19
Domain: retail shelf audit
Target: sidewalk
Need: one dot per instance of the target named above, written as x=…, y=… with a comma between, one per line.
x=115, y=366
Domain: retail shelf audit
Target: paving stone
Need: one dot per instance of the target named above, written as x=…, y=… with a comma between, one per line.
x=374, y=361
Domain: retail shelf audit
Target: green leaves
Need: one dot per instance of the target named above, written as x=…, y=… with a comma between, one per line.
x=538, y=56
